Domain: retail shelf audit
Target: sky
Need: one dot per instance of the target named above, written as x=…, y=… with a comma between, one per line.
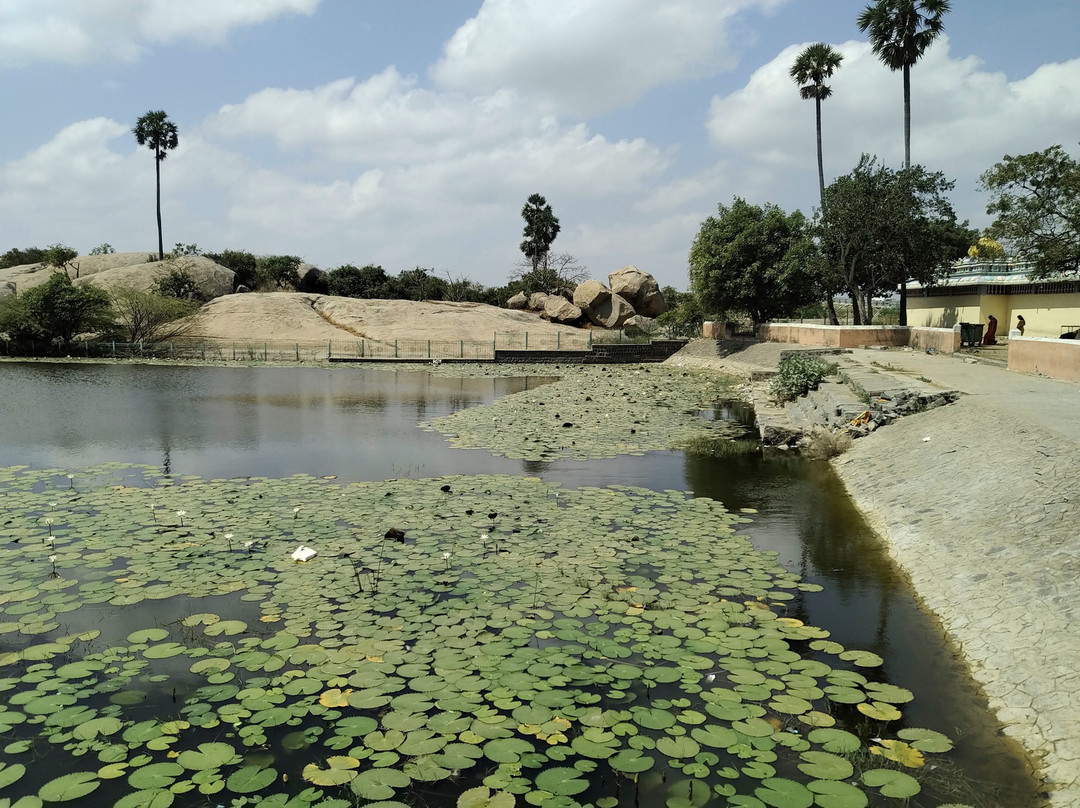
x=410, y=132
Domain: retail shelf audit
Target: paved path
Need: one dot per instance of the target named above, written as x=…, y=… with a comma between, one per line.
x=984, y=516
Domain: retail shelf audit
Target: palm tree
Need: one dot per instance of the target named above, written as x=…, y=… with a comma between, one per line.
x=811, y=68
x=900, y=32
x=155, y=131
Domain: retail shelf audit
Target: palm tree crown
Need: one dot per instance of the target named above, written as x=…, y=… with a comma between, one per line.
x=901, y=30
x=155, y=131
x=815, y=64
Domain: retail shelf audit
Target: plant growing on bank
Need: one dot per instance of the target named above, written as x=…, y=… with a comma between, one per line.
x=57, y=310
x=799, y=374
x=149, y=317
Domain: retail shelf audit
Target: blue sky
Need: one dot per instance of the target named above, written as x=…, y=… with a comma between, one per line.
x=409, y=133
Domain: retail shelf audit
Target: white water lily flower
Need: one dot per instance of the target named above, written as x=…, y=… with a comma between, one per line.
x=248, y=544
x=446, y=556
x=228, y=536
x=303, y=553
x=52, y=559
x=48, y=520
x=181, y=513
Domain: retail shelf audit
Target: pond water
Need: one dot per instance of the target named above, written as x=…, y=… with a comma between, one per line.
x=360, y=424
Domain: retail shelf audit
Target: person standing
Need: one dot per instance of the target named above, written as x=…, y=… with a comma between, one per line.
x=991, y=331
x=1020, y=324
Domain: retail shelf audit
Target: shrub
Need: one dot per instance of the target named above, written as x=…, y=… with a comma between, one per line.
x=180, y=284
x=799, y=374
x=17, y=257
x=279, y=271
x=147, y=317
x=57, y=310
x=103, y=249
x=240, y=262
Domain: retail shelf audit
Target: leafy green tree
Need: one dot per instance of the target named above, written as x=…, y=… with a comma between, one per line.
x=279, y=271
x=416, y=284
x=60, y=257
x=17, y=257
x=812, y=67
x=103, y=249
x=560, y=271
x=241, y=262
x=148, y=317
x=882, y=227
x=155, y=131
x=752, y=258
x=541, y=228
x=179, y=284
x=367, y=282
x=1036, y=198
x=900, y=32
x=57, y=310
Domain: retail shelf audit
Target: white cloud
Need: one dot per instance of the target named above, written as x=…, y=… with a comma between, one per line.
x=585, y=57
x=83, y=31
x=964, y=119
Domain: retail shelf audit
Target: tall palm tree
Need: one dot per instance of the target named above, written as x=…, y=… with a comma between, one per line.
x=815, y=64
x=900, y=32
x=155, y=131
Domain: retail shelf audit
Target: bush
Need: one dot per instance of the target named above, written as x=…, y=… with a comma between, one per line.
x=17, y=257
x=57, y=310
x=279, y=271
x=799, y=374
x=240, y=262
x=180, y=284
x=147, y=317
x=103, y=249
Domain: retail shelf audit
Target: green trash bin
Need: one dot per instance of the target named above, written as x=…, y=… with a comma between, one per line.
x=971, y=334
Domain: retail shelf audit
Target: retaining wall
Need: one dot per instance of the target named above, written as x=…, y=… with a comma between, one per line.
x=601, y=354
x=1056, y=358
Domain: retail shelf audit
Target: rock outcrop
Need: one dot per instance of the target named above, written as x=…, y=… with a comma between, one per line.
x=537, y=301
x=559, y=310
x=518, y=302
x=639, y=289
x=639, y=325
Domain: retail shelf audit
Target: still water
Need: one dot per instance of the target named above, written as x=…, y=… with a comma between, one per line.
x=360, y=424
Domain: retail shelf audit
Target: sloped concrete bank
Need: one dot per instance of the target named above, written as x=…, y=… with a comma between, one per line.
x=979, y=504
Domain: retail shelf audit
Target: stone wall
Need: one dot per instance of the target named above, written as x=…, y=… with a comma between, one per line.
x=1056, y=358
x=615, y=353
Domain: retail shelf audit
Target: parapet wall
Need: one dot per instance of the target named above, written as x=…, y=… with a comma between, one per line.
x=835, y=336
x=1056, y=358
x=615, y=353
x=942, y=340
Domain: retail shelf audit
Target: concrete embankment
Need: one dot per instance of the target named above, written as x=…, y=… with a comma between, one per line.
x=979, y=503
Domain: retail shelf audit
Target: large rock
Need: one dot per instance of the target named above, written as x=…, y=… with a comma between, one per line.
x=590, y=294
x=612, y=313
x=640, y=289
x=537, y=301
x=213, y=279
x=639, y=325
x=313, y=280
x=560, y=310
x=7, y=289
x=518, y=301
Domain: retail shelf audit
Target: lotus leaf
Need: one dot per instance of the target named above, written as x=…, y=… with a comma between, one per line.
x=483, y=797
x=926, y=740
x=71, y=786
x=149, y=798
x=879, y=711
x=892, y=783
x=250, y=779
x=837, y=741
x=834, y=794
x=561, y=781
x=899, y=752
x=825, y=766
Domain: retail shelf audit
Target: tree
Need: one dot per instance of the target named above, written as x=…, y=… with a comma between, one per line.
x=416, y=284
x=57, y=310
x=155, y=131
x=103, y=249
x=279, y=271
x=541, y=228
x=17, y=257
x=811, y=68
x=364, y=282
x=558, y=271
x=751, y=258
x=815, y=64
x=241, y=262
x=147, y=317
x=59, y=257
x=900, y=32
x=1036, y=198
x=882, y=227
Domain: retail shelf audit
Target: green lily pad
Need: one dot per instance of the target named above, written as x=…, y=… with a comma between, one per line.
x=67, y=787
x=892, y=783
